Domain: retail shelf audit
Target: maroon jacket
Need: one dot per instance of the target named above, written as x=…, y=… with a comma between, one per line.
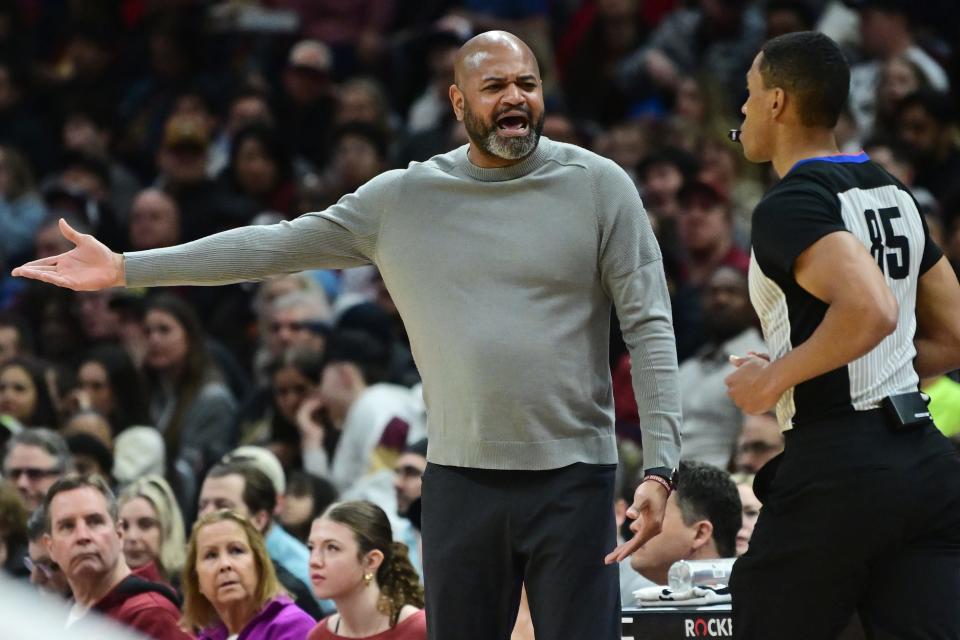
x=149, y=607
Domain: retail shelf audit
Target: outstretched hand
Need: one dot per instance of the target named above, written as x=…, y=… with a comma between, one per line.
x=89, y=266
x=647, y=510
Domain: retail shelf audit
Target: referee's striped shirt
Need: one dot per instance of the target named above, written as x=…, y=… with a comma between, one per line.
x=819, y=196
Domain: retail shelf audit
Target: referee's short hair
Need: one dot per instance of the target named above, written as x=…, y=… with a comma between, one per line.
x=705, y=492
x=810, y=67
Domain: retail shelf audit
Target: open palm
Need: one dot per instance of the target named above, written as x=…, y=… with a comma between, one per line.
x=89, y=266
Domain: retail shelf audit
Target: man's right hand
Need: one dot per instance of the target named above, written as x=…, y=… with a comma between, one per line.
x=89, y=266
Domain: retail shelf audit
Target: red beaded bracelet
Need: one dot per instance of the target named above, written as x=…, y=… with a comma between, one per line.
x=661, y=481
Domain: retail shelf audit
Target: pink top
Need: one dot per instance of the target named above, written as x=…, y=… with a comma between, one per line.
x=411, y=628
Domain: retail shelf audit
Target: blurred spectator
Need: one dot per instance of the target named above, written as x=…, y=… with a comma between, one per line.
x=408, y=483
x=294, y=376
x=291, y=317
x=750, y=508
x=699, y=113
x=788, y=16
x=248, y=107
x=705, y=230
x=34, y=460
x=189, y=403
x=432, y=108
x=926, y=123
x=625, y=143
x=21, y=209
x=45, y=574
x=701, y=522
x=898, y=77
x=725, y=168
x=364, y=100
x=260, y=169
x=84, y=539
x=359, y=154
x=597, y=39
x=305, y=112
x=230, y=588
x=112, y=386
x=354, y=30
x=373, y=417
x=13, y=531
x=717, y=37
x=90, y=455
x=381, y=320
x=351, y=540
x=16, y=339
x=711, y=421
x=153, y=535
x=91, y=423
x=885, y=33
x=706, y=233
x=82, y=188
x=19, y=127
x=245, y=489
x=25, y=393
x=154, y=221
x=661, y=175
x=88, y=130
x=759, y=441
x=98, y=321
x=307, y=497
x=898, y=160
x=205, y=206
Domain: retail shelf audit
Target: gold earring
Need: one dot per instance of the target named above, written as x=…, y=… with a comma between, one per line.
x=368, y=578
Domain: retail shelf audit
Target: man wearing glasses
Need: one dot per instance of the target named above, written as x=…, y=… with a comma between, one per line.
x=35, y=459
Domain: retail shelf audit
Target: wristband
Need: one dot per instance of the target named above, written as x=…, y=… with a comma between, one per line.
x=663, y=482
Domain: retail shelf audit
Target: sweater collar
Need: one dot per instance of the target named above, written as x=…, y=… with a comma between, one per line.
x=529, y=164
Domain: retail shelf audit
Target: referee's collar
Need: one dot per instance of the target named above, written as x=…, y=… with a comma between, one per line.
x=839, y=158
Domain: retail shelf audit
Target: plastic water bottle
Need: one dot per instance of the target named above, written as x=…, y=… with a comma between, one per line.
x=686, y=574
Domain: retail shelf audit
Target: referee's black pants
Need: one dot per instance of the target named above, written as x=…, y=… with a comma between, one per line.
x=485, y=532
x=856, y=517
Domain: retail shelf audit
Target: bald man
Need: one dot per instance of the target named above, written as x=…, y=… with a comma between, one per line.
x=503, y=257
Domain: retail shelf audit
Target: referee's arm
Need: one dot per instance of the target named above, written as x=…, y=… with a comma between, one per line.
x=938, y=321
x=862, y=312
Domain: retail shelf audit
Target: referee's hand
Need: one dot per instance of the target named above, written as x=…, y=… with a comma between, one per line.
x=751, y=386
x=649, y=505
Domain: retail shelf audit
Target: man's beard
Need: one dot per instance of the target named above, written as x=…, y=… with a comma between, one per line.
x=513, y=148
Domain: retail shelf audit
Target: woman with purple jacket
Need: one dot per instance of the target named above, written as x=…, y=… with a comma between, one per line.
x=230, y=590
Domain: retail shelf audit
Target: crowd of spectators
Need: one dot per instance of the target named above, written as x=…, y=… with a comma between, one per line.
x=150, y=123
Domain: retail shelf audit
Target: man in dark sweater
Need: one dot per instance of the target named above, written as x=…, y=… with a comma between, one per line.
x=83, y=538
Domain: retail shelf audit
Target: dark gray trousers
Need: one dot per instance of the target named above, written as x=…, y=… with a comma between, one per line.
x=486, y=532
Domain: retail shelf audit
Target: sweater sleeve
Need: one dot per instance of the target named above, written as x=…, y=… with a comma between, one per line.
x=343, y=235
x=631, y=271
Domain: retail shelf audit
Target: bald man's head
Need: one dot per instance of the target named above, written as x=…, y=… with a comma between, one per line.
x=498, y=95
x=478, y=50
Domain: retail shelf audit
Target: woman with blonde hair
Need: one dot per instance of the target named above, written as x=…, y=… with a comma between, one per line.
x=230, y=588
x=153, y=532
x=355, y=562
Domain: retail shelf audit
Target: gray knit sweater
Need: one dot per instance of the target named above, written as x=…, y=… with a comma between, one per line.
x=504, y=279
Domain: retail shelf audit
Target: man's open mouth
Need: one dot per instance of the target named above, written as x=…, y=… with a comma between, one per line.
x=513, y=123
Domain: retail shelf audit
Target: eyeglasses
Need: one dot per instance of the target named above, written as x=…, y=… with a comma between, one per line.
x=46, y=567
x=33, y=473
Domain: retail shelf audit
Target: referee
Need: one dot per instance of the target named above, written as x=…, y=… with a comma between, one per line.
x=862, y=510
